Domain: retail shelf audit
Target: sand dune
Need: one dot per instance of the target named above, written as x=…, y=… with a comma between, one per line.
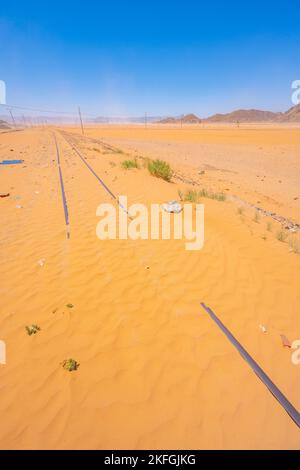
x=155, y=372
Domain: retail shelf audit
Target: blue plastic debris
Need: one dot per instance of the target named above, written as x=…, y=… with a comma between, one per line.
x=11, y=162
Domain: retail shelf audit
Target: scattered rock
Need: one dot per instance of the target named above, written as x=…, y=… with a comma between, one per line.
x=70, y=305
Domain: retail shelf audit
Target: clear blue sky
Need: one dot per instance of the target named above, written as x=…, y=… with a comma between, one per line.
x=163, y=57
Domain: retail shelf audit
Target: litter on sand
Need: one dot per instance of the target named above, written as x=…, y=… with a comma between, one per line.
x=263, y=328
x=285, y=342
x=172, y=207
x=11, y=162
x=4, y=195
x=41, y=262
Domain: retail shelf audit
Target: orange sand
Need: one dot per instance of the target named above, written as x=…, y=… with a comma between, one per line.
x=155, y=371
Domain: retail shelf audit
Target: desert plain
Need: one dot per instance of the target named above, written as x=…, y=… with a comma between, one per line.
x=154, y=371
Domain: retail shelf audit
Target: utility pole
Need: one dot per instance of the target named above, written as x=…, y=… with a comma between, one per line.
x=79, y=112
x=24, y=120
x=12, y=117
x=146, y=120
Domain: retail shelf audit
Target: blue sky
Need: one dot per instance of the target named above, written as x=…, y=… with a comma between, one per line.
x=163, y=57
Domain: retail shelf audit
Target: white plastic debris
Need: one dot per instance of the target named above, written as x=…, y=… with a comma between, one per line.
x=172, y=207
x=263, y=328
x=41, y=262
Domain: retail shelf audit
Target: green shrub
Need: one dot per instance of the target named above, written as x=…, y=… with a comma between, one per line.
x=70, y=365
x=212, y=195
x=191, y=196
x=128, y=164
x=160, y=169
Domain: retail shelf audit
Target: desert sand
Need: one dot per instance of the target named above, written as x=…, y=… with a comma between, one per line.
x=155, y=371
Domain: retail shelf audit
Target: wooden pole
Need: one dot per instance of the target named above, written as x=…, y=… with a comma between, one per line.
x=12, y=117
x=79, y=112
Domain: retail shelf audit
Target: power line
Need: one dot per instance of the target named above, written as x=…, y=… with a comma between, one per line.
x=40, y=110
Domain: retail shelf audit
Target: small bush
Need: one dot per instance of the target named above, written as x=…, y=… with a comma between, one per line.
x=269, y=227
x=70, y=365
x=191, y=196
x=32, y=329
x=212, y=195
x=294, y=246
x=256, y=217
x=240, y=210
x=128, y=164
x=180, y=195
x=281, y=235
x=160, y=169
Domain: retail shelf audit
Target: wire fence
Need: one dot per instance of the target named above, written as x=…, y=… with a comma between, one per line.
x=21, y=116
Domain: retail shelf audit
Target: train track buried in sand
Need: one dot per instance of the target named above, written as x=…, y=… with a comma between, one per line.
x=280, y=397
x=75, y=149
x=62, y=187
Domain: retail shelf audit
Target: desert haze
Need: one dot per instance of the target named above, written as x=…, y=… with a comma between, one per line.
x=152, y=369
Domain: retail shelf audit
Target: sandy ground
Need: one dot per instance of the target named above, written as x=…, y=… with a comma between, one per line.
x=155, y=371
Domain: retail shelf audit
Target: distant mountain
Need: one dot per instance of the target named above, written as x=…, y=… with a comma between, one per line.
x=4, y=125
x=185, y=119
x=240, y=115
x=292, y=114
x=245, y=115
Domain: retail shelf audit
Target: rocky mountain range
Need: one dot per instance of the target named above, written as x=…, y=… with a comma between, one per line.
x=240, y=115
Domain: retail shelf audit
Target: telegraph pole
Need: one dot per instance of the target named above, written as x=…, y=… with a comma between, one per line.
x=12, y=117
x=79, y=112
